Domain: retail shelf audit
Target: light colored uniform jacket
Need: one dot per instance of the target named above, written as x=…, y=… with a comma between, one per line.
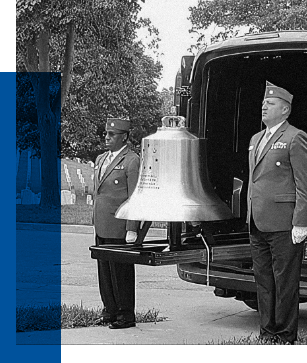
x=115, y=187
x=277, y=192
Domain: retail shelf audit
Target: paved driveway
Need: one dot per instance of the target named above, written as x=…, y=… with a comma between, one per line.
x=194, y=315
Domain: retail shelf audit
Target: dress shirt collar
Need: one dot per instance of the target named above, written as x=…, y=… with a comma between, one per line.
x=273, y=129
x=115, y=153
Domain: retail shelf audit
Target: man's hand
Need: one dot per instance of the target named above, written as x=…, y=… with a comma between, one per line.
x=131, y=236
x=298, y=234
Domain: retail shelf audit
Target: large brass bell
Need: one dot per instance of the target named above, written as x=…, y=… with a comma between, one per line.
x=170, y=187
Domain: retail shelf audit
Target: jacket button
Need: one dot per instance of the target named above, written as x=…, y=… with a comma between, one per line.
x=115, y=181
x=278, y=163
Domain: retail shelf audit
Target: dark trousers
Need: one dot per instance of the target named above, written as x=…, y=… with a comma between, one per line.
x=277, y=269
x=116, y=285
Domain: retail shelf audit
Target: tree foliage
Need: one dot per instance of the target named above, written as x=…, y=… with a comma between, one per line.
x=104, y=72
x=167, y=98
x=129, y=90
x=105, y=58
x=256, y=15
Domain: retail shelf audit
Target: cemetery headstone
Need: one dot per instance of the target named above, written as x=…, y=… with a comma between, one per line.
x=65, y=197
x=26, y=196
x=73, y=198
x=88, y=199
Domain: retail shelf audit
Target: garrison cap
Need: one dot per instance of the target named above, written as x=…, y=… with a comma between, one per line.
x=117, y=125
x=272, y=91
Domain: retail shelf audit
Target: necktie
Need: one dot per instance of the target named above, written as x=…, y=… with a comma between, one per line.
x=262, y=144
x=106, y=163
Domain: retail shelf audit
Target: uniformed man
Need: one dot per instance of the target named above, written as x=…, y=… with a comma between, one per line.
x=116, y=175
x=277, y=206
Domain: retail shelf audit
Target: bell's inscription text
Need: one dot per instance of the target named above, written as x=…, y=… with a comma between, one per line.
x=148, y=181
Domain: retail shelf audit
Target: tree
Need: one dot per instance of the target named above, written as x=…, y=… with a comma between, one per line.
x=105, y=89
x=167, y=98
x=34, y=44
x=52, y=36
x=27, y=134
x=143, y=102
x=256, y=15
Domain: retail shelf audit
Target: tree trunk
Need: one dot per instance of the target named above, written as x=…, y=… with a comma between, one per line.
x=43, y=50
x=49, y=117
x=50, y=191
x=68, y=62
x=47, y=125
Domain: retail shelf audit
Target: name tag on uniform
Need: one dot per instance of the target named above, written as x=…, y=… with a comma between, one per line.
x=251, y=147
x=119, y=167
x=279, y=145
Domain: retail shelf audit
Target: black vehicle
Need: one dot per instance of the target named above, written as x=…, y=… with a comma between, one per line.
x=220, y=93
x=221, y=97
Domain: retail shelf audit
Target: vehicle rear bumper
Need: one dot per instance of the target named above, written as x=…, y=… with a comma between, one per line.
x=196, y=273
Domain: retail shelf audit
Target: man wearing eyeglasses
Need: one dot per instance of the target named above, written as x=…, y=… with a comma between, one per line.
x=116, y=175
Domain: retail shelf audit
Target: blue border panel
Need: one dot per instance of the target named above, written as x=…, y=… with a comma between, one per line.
x=32, y=259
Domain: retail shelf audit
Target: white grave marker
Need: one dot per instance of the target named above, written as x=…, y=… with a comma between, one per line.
x=73, y=198
x=26, y=196
x=65, y=197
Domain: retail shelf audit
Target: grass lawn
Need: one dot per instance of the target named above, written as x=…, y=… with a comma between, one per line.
x=56, y=316
x=66, y=214
x=53, y=317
